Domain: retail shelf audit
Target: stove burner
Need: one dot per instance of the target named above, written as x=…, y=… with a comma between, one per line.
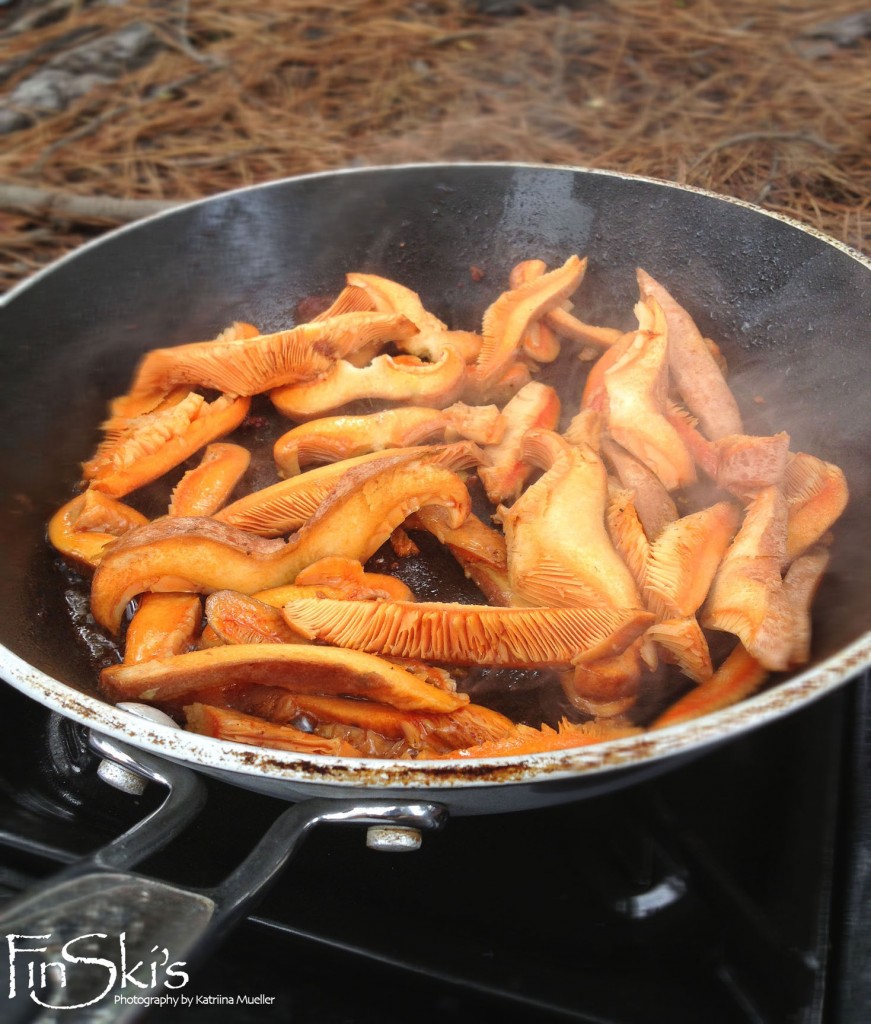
x=701, y=894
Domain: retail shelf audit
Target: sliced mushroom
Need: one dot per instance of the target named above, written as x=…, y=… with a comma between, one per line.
x=236, y=727
x=684, y=559
x=800, y=585
x=300, y=668
x=651, y=500
x=205, y=489
x=747, y=464
x=84, y=527
x=738, y=677
x=250, y=366
x=163, y=625
x=627, y=533
x=566, y=325
x=152, y=444
x=816, y=495
x=508, y=319
x=685, y=645
x=423, y=732
x=747, y=596
x=479, y=549
x=399, y=379
x=694, y=369
x=202, y=555
x=348, y=576
x=636, y=386
x=334, y=438
x=239, y=619
x=289, y=504
x=456, y=634
x=559, y=551
x=526, y=740
x=607, y=687
x=504, y=471
x=540, y=341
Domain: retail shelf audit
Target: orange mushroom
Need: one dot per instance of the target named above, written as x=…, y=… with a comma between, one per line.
x=250, y=366
x=334, y=438
x=507, y=320
x=504, y=471
x=300, y=668
x=202, y=555
x=747, y=596
x=400, y=379
x=559, y=551
x=163, y=625
x=458, y=634
x=85, y=526
x=694, y=369
x=204, y=489
x=151, y=444
x=287, y=505
x=636, y=387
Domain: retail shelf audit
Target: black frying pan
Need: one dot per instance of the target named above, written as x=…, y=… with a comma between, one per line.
x=790, y=308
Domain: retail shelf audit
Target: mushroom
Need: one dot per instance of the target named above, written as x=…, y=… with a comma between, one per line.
x=239, y=619
x=250, y=366
x=504, y=471
x=526, y=740
x=800, y=584
x=540, y=341
x=651, y=500
x=204, y=489
x=300, y=668
x=479, y=549
x=559, y=551
x=433, y=336
x=162, y=625
x=224, y=724
x=400, y=379
x=746, y=464
x=151, y=444
x=457, y=634
x=202, y=555
x=636, y=386
x=287, y=505
x=747, y=596
x=333, y=438
x=738, y=677
x=816, y=494
x=507, y=320
x=684, y=559
x=424, y=732
x=85, y=526
x=693, y=367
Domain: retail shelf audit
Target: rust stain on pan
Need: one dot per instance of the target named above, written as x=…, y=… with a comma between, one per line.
x=368, y=773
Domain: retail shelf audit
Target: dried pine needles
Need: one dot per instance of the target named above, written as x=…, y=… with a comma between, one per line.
x=768, y=102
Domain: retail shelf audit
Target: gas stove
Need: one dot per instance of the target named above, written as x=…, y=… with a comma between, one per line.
x=730, y=889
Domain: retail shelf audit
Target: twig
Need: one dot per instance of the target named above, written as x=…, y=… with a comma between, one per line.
x=69, y=206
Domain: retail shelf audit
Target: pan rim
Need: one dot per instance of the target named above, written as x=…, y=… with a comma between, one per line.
x=108, y=236
x=573, y=763
x=645, y=748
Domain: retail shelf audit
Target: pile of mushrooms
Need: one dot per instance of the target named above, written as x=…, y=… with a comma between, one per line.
x=256, y=619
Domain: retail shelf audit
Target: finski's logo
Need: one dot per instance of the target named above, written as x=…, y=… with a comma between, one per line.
x=51, y=974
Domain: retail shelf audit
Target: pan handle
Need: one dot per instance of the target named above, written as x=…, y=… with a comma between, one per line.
x=106, y=943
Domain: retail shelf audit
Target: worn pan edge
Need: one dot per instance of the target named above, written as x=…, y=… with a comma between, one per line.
x=249, y=760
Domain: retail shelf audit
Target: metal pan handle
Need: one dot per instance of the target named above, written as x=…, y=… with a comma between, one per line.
x=104, y=943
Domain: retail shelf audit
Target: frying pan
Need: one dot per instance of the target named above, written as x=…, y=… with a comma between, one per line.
x=790, y=308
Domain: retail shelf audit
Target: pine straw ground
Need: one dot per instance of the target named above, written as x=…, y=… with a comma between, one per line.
x=767, y=101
